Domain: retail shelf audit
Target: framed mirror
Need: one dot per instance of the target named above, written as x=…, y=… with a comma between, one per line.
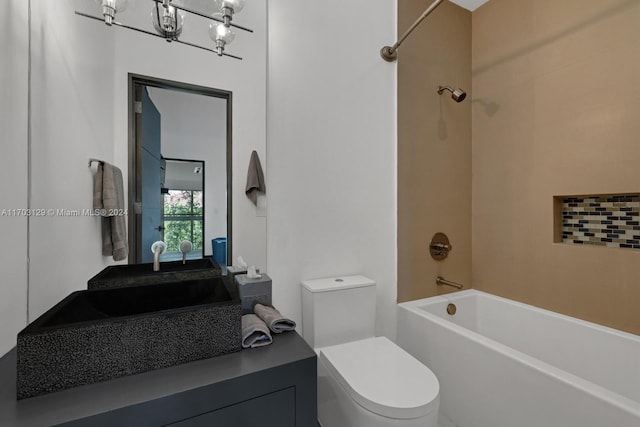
x=180, y=154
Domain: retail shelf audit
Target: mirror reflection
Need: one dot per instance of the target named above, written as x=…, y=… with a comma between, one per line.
x=182, y=213
x=180, y=170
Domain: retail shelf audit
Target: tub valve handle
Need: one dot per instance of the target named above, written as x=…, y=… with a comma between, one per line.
x=440, y=247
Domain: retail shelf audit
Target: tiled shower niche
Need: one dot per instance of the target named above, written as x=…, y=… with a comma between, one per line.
x=611, y=220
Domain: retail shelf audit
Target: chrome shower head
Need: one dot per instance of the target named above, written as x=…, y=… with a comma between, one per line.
x=457, y=95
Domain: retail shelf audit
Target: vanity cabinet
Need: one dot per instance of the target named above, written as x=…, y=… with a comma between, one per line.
x=274, y=409
x=267, y=386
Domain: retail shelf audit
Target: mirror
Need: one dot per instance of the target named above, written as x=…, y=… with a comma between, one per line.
x=179, y=169
x=79, y=97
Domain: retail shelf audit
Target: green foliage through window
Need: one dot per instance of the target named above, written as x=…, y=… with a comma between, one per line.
x=183, y=219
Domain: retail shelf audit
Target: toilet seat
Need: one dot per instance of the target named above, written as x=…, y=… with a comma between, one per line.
x=383, y=378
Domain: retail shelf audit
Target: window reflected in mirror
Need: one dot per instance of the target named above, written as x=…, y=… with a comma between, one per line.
x=183, y=207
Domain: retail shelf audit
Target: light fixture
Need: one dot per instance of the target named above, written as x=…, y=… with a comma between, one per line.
x=228, y=8
x=168, y=21
x=110, y=8
x=221, y=34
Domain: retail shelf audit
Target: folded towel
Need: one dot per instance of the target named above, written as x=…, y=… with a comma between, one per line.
x=254, y=332
x=108, y=196
x=272, y=317
x=255, y=179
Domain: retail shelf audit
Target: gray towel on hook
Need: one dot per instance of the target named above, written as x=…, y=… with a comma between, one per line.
x=255, y=179
x=108, y=196
x=254, y=332
x=274, y=319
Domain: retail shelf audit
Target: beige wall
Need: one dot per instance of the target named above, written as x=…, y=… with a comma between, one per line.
x=556, y=111
x=434, y=148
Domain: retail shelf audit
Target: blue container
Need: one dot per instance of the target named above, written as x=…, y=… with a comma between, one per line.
x=219, y=249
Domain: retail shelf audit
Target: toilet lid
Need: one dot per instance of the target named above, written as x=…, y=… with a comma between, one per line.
x=383, y=378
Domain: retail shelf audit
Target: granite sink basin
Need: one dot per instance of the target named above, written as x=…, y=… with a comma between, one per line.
x=97, y=335
x=124, y=275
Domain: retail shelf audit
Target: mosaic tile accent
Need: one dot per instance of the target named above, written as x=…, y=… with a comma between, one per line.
x=612, y=221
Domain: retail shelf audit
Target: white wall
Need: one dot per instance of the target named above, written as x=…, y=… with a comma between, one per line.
x=246, y=79
x=72, y=120
x=81, y=110
x=331, y=176
x=194, y=127
x=331, y=120
x=14, y=33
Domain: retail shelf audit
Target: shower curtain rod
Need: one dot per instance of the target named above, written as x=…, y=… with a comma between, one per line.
x=390, y=53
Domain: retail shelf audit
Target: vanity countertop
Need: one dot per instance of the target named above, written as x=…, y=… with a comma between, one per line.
x=166, y=396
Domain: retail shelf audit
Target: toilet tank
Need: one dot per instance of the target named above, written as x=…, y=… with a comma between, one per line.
x=336, y=310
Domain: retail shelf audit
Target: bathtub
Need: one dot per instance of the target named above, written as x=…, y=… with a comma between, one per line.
x=501, y=363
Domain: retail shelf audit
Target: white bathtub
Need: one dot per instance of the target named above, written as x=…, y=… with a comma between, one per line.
x=501, y=363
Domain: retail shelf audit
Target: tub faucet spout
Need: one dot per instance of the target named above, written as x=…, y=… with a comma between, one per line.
x=442, y=281
x=157, y=248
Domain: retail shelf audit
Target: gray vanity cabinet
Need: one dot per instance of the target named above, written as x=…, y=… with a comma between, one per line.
x=274, y=409
x=272, y=386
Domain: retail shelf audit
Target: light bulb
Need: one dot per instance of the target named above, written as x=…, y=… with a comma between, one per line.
x=110, y=8
x=168, y=22
x=224, y=33
x=235, y=5
x=220, y=33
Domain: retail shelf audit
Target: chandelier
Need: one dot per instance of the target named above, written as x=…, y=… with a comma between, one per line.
x=167, y=19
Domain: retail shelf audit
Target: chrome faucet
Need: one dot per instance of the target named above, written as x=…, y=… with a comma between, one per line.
x=185, y=248
x=157, y=248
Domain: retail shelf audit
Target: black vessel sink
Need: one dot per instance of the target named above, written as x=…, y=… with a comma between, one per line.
x=82, y=306
x=97, y=335
x=142, y=274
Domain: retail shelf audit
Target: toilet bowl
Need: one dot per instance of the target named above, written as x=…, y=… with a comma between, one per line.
x=363, y=381
x=374, y=383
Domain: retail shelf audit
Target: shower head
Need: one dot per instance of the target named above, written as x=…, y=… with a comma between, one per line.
x=457, y=95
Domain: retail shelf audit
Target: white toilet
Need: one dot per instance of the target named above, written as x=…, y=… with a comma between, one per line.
x=363, y=380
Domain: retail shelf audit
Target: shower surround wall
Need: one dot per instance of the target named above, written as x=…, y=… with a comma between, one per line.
x=434, y=148
x=548, y=122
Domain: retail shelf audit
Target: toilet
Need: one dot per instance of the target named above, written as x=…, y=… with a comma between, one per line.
x=363, y=380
